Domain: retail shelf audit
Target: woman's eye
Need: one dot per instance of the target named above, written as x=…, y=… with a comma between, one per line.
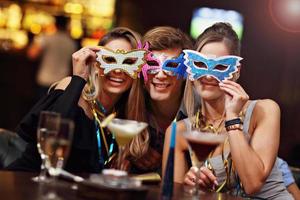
x=109, y=59
x=152, y=63
x=129, y=61
x=221, y=67
x=200, y=65
x=172, y=64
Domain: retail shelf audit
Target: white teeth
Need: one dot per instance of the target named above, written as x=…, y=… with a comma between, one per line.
x=116, y=79
x=161, y=85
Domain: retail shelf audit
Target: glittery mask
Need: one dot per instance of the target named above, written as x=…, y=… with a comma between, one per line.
x=130, y=62
x=172, y=67
x=199, y=65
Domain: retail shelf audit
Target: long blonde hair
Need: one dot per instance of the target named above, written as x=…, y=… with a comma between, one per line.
x=93, y=87
x=158, y=38
x=219, y=32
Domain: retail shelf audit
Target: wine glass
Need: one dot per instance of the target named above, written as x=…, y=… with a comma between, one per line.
x=57, y=147
x=202, y=143
x=48, y=125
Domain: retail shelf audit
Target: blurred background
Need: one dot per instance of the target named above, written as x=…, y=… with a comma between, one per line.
x=269, y=31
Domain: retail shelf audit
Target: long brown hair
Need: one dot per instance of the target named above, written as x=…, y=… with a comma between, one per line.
x=158, y=38
x=219, y=32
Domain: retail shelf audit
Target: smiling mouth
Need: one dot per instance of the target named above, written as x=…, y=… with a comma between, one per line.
x=115, y=79
x=161, y=85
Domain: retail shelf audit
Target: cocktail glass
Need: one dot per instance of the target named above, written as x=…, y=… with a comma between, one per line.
x=202, y=143
x=124, y=131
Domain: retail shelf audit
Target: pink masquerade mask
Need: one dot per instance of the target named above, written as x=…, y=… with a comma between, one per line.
x=153, y=65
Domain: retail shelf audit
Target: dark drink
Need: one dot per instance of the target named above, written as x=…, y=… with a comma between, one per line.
x=203, y=143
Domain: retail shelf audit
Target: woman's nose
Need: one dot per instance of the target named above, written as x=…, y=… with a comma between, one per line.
x=117, y=71
x=208, y=77
x=161, y=74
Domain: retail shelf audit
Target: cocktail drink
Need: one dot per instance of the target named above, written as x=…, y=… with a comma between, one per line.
x=124, y=131
x=203, y=143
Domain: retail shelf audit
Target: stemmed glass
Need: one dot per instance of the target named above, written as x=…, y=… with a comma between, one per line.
x=202, y=143
x=124, y=131
x=48, y=125
x=57, y=147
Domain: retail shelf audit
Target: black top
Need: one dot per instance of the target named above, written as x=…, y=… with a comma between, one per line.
x=156, y=145
x=84, y=156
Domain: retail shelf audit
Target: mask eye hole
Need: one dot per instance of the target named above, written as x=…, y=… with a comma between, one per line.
x=221, y=67
x=129, y=61
x=109, y=59
x=153, y=71
x=152, y=63
x=200, y=65
x=172, y=64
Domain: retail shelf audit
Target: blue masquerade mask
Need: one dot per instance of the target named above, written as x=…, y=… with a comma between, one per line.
x=199, y=65
x=172, y=67
x=176, y=66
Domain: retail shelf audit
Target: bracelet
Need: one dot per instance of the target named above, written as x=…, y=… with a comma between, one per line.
x=234, y=127
x=233, y=122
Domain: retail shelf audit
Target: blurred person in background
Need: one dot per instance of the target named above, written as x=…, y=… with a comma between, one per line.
x=55, y=51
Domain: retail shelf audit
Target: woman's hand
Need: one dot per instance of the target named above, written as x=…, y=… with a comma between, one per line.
x=82, y=61
x=203, y=176
x=235, y=98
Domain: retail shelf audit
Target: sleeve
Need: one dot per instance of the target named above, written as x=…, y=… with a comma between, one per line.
x=63, y=102
x=286, y=172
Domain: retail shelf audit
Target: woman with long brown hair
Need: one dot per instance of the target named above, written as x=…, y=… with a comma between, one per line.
x=162, y=92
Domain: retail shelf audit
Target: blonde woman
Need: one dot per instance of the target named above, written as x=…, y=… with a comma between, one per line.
x=108, y=90
x=246, y=163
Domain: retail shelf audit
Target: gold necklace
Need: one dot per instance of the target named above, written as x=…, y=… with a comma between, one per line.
x=203, y=124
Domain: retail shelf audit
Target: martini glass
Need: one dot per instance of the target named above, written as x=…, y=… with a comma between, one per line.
x=124, y=131
x=202, y=143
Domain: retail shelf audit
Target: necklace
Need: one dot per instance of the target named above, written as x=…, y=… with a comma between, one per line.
x=106, y=155
x=202, y=123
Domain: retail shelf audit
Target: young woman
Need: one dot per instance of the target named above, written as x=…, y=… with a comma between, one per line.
x=163, y=92
x=246, y=161
x=108, y=90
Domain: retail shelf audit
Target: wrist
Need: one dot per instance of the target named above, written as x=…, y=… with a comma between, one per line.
x=234, y=124
x=230, y=116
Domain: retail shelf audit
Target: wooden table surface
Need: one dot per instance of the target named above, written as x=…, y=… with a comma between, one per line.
x=19, y=186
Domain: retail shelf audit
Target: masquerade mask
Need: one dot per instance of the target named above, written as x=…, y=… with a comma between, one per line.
x=171, y=67
x=199, y=65
x=130, y=62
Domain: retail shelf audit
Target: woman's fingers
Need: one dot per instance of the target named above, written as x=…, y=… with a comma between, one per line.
x=190, y=178
x=208, y=173
x=207, y=179
x=233, y=91
x=234, y=85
